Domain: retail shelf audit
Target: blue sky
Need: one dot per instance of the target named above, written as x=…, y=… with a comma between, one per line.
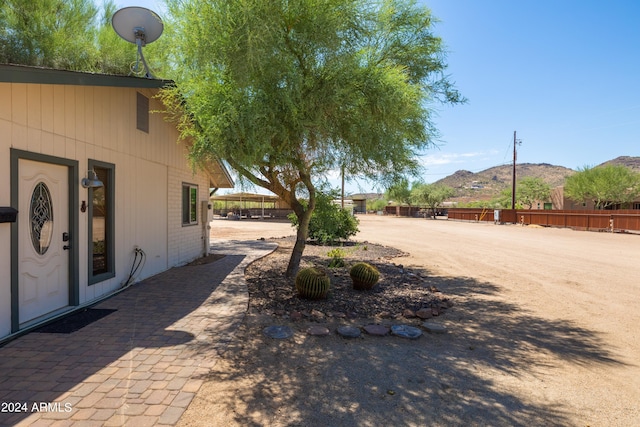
x=563, y=74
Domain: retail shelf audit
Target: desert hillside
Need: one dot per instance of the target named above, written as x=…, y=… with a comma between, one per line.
x=490, y=182
x=628, y=161
x=487, y=184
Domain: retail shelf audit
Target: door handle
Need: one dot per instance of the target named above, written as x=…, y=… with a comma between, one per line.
x=65, y=238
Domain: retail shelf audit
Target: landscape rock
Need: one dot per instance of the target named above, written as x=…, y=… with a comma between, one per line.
x=349, y=331
x=424, y=313
x=278, y=332
x=405, y=331
x=409, y=314
x=397, y=292
x=434, y=328
x=318, y=331
x=378, y=330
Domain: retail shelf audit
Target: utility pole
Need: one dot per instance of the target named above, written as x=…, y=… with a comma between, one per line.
x=342, y=193
x=513, y=184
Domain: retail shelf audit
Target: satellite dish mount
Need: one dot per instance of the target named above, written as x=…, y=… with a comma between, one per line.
x=139, y=26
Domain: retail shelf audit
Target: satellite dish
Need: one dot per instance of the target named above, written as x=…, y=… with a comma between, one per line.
x=139, y=26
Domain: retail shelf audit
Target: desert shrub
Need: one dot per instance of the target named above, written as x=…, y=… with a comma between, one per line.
x=337, y=257
x=329, y=223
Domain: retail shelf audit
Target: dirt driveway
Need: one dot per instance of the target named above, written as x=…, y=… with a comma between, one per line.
x=544, y=332
x=557, y=309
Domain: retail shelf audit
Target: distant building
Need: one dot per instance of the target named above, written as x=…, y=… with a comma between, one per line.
x=561, y=202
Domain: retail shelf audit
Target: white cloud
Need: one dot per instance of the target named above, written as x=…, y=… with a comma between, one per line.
x=446, y=159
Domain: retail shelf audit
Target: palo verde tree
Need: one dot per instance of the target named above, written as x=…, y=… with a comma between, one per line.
x=286, y=91
x=400, y=192
x=431, y=195
x=63, y=34
x=603, y=185
x=530, y=190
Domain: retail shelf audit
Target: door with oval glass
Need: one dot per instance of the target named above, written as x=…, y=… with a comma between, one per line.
x=43, y=242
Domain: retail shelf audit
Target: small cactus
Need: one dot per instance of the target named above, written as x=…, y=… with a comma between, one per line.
x=364, y=276
x=312, y=283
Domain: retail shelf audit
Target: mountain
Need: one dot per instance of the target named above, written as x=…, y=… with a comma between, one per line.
x=488, y=183
x=628, y=161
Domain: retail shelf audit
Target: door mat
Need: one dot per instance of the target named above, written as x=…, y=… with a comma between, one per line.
x=76, y=321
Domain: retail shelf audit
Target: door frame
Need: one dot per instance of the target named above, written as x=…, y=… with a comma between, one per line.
x=74, y=227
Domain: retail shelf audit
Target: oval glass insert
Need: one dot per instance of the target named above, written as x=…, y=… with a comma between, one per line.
x=41, y=218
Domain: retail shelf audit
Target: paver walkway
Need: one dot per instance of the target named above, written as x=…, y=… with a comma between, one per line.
x=142, y=364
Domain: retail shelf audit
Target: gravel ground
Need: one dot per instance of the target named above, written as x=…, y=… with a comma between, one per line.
x=399, y=293
x=543, y=332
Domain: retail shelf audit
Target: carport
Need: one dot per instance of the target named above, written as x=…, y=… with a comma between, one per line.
x=250, y=205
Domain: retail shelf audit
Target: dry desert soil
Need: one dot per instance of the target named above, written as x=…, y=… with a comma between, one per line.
x=543, y=331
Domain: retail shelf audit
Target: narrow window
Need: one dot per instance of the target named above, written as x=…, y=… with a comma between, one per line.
x=101, y=224
x=41, y=218
x=189, y=204
x=142, y=113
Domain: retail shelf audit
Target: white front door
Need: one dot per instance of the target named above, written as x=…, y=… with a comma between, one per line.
x=43, y=220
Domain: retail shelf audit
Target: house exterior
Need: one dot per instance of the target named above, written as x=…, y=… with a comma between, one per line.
x=562, y=202
x=99, y=182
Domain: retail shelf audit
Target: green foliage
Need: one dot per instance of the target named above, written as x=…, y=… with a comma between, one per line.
x=487, y=204
x=312, y=283
x=530, y=190
x=504, y=199
x=400, y=192
x=287, y=92
x=605, y=185
x=364, y=276
x=376, y=204
x=431, y=195
x=329, y=223
x=63, y=34
x=337, y=257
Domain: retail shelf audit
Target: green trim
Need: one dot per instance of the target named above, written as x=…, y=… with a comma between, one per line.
x=25, y=74
x=74, y=275
x=111, y=212
x=186, y=205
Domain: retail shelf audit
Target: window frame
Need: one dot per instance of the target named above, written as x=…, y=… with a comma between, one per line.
x=109, y=187
x=190, y=216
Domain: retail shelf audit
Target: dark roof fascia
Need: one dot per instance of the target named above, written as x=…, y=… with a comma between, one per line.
x=10, y=73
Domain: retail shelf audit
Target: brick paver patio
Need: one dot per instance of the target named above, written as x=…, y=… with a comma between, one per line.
x=142, y=364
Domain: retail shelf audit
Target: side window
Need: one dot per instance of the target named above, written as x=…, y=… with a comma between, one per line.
x=101, y=224
x=189, y=204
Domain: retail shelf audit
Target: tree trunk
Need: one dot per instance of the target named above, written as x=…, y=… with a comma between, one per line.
x=301, y=240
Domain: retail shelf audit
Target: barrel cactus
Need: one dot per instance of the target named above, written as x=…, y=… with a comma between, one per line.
x=364, y=276
x=312, y=283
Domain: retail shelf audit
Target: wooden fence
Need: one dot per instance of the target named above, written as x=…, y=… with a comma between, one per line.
x=597, y=220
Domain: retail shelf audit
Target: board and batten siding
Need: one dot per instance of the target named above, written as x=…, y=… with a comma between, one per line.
x=99, y=123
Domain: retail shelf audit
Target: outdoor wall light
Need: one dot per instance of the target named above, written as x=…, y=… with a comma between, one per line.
x=91, y=181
